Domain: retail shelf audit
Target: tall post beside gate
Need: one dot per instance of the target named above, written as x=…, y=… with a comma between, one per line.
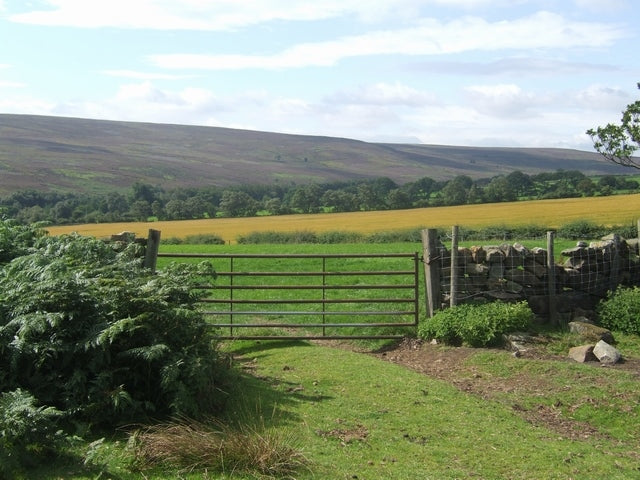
x=431, y=257
x=453, y=296
x=151, y=253
x=551, y=279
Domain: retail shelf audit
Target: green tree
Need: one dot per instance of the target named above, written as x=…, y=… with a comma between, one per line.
x=398, y=199
x=586, y=187
x=235, y=203
x=520, y=182
x=340, y=200
x=456, y=191
x=370, y=197
x=140, y=210
x=306, y=198
x=618, y=142
x=499, y=190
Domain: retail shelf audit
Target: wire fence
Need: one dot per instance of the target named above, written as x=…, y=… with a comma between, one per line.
x=553, y=283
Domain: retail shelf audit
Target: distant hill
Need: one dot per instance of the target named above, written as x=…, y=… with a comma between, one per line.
x=71, y=154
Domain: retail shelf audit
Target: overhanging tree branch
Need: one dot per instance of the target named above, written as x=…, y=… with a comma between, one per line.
x=618, y=143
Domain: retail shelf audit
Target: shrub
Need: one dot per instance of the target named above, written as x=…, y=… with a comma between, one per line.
x=476, y=325
x=204, y=239
x=339, y=237
x=87, y=330
x=16, y=239
x=392, y=236
x=581, y=230
x=621, y=310
x=27, y=432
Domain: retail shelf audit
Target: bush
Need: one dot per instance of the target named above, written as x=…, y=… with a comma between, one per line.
x=27, y=432
x=89, y=331
x=204, y=239
x=476, y=325
x=16, y=239
x=620, y=311
x=581, y=230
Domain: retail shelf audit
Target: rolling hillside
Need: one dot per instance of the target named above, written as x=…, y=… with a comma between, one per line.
x=71, y=154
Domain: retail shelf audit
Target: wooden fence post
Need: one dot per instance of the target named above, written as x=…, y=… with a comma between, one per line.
x=551, y=280
x=453, y=295
x=151, y=254
x=431, y=260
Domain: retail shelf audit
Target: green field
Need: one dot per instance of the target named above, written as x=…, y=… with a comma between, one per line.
x=473, y=413
x=354, y=415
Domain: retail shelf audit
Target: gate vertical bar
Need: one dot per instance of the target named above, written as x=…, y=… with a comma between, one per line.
x=416, y=289
x=231, y=296
x=324, y=295
x=431, y=258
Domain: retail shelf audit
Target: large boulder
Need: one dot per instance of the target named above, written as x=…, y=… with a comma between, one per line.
x=607, y=354
x=583, y=353
x=590, y=332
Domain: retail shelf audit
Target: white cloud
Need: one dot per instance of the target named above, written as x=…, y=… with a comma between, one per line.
x=395, y=94
x=8, y=83
x=600, y=6
x=4, y=84
x=133, y=74
x=503, y=100
x=599, y=97
x=203, y=15
x=517, y=65
x=428, y=37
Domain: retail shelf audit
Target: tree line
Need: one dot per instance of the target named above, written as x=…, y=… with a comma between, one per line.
x=145, y=202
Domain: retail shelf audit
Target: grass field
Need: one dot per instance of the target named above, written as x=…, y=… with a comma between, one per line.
x=613, y=210
x=356, y=416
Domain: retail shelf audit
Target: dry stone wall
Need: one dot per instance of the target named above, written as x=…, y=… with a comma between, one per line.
x=514, y=272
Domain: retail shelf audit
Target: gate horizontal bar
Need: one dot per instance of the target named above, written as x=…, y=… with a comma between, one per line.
x=315, y=312
x=318, y=301
x=287, y=255
x=308, y=325
x=311, y=337
x=315, y=273
x=306, y=287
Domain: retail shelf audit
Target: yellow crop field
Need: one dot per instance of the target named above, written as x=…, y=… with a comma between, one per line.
x=613, y=210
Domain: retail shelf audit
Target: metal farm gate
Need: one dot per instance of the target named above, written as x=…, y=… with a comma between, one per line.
x=312, y=296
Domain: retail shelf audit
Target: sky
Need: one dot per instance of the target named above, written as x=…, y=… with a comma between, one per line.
x=512, y=73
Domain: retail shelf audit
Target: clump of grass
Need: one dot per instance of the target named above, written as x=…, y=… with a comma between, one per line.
x=212, y=445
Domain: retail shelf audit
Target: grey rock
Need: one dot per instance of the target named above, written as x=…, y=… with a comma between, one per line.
x=590, y=332
x=607, y=354
x=583, y=353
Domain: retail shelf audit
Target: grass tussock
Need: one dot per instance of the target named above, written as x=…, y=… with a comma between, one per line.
x=212, y=445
